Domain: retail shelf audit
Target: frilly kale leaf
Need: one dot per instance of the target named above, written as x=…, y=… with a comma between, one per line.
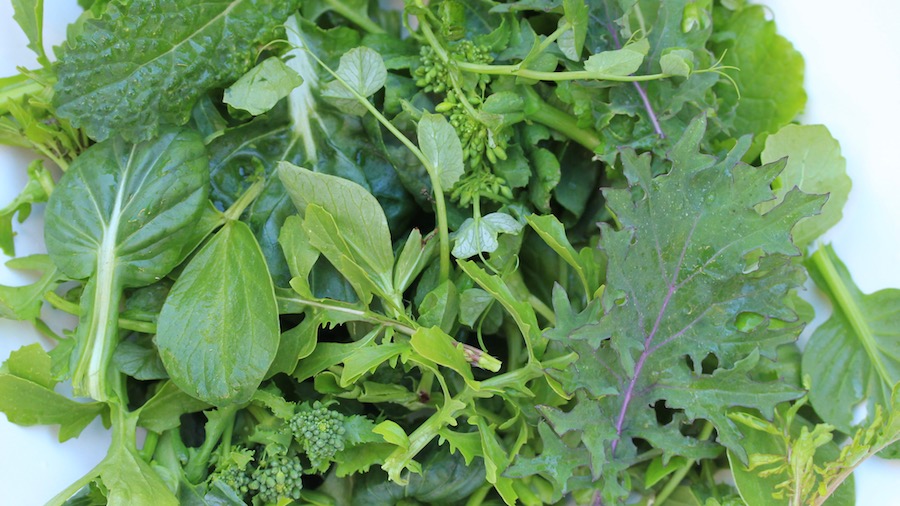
x=146, y=63
x=691, y=255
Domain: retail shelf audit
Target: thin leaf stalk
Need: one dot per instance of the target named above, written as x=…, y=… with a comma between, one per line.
x=439, y=201
x=852, y=311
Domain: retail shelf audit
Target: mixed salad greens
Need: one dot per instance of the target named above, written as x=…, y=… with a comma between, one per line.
x=458, y=252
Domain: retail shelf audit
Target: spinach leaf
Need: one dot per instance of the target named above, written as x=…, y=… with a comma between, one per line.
x=120, y=217
x=218, y=330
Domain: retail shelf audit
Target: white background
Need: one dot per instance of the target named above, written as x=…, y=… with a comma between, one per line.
x=853, y=80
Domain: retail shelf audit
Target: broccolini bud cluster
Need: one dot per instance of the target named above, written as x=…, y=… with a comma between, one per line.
x=236, y=478
x=433, y=75
x=280, y=477
x=320, y=432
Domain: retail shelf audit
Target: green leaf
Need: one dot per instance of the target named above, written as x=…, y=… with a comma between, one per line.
x=557, y=462
x=679, y=275
x=757, y=490
x=814, y=165
x=548, y=174
x=128, y=479
x=295, y=344
x=554, y=234
x=392, y=433
x=24, y=302
x=855, y=355
x=329, y=354
x=144, y=64
x=678, y=62
x=770, y=81
x=164, y=410
x=262, y=87
x=619, y=62
x=363, y=71
x=435, y=345
x=299, y=253
x=29, y=14
x=440, y=307
x=27, y=396
x=441, y=146
x=122, y=216
x=413, y=258
x=479, y=234
x=364, y=236
x=571, y=43
x=37, y=190
x=367, y=359
x=218, y=330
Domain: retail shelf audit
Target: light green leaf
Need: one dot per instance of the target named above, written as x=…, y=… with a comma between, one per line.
x=363, y=233
x=554, y=234
x=262, y=87
x=440, y=307
x=29, y=14
x=855, y=355
x=27, y=396
x=301, y=256
x=367, y=359
x=24, y=302
x=37, y=190
x=130, y=480
x=479, y=235
x=677, y=62
x=413, y=258
x=144, y=64
x=815, y=165
x=164, y=410
x=619, y=62
x=547, y=176
x=392, y=433
x=441, y=146
x=330, y=354
x=435, y=345
x=363, y=71
x=571, y=43
x=295, y=344
x=218, y=329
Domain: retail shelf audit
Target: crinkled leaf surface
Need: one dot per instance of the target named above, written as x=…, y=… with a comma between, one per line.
x=678, y=278
x=855, y=355
x=814, y=165
x=218, y=331
x=145, y=63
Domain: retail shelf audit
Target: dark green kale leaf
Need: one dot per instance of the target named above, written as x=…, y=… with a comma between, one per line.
x=692, y=254
x=145, y=63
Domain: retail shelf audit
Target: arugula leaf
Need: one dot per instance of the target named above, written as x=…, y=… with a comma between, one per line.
x=38, y=188
x=144, y=64
x=263, y=86
x=121, y=216
x=24, y=302
x=29, y=14
x=854, y=356
x=814, y=165
x=678, y=278
x=27, y=396
x=219, y=347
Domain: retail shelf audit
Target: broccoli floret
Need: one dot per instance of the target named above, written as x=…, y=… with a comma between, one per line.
x=279, y=477
x=320, y=432
x=234, y=470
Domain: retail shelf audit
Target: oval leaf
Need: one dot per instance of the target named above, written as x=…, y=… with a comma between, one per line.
x=218, y=329
x=441, y=145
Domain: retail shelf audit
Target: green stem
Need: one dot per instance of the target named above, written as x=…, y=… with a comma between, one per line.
x=74, y=309
x=552, y=37
x=678, y=476
x=341, y=7
x=196, y=468
x=359, y=314
x=538, y=75
x=150, y=441
x=847, y=304
x=237, y=209
x=541, y=112
x=542, y=309
x=440, y=204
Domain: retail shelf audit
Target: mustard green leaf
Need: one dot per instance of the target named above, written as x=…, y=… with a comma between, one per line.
x=144, y=64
